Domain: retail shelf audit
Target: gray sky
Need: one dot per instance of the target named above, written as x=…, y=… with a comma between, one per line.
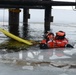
x=60, y=15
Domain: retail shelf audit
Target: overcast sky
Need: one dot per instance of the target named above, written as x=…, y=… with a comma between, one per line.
x=61, y=14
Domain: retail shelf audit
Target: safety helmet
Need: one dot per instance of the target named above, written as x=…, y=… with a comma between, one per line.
x=60, y=33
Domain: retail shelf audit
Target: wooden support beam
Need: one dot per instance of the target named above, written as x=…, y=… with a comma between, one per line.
x=14, y=21
x=35, y=3
x=47, y=19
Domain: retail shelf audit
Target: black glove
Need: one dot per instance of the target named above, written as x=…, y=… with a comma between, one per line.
x=69, y=46
x=43, y=46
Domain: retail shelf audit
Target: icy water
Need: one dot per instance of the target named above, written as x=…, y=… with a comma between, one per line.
x=40, y=62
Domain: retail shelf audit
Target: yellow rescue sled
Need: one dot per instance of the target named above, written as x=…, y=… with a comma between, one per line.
x=15, y=37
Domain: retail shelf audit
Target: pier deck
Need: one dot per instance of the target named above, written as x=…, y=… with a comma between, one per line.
x=33, y=3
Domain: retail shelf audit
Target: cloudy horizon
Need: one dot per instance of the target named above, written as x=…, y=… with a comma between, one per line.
x=60, y=15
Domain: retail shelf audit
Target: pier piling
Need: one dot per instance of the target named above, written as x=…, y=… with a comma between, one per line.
x=14, y=20
x=48, y=18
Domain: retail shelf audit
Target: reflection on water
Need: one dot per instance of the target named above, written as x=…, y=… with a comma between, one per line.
x=46, y=55
x=25, y=32
x=37, y=55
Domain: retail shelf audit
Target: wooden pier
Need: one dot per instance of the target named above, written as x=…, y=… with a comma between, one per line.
x=15, y=5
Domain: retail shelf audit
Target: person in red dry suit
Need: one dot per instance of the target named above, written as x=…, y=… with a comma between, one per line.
x=51, y=41
x=61, y=41
x=48, y=41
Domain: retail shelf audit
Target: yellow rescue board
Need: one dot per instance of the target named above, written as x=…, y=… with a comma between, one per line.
x=15, y=37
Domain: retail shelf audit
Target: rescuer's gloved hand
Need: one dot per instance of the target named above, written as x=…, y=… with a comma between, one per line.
x=69, y=46
x=43, y=46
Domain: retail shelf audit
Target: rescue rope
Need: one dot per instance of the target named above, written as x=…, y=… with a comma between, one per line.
x=3, y=16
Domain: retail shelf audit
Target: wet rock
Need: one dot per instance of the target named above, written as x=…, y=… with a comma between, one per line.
x=21, y=62
x=59, y=65
x=13, y=45
x=72, y=66
x=40, y=63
